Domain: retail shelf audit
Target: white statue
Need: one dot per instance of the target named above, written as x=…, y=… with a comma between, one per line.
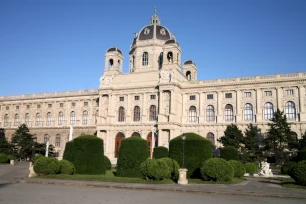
x=265, y=169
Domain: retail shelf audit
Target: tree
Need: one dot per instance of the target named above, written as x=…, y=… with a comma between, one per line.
x=23, y=142
x=252, y=141
x=4, y=144
x=302, y=141
x=232, y=136
x=280, y=139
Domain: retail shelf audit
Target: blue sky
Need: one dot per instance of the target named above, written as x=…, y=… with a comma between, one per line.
x=59, y=45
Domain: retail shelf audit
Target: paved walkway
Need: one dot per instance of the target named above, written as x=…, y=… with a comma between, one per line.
x=262, y=187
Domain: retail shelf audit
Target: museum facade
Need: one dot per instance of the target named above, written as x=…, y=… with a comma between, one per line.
x=159, y=94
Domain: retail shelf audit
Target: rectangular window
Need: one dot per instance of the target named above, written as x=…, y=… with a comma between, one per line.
x=58, y=142
x=210, y=96
x=49, y=105
x=17, y=107
x=61, y=105
x=85, y=103
x=28, y=106
x=73, y=104
x=121, y=98
x=7, y=108
x=289, y=92
x=38, y=105
x=228, y=95
x=192, y=97
x=268, y=93
x=247, y=94
x=136, y=98
x=152, y=97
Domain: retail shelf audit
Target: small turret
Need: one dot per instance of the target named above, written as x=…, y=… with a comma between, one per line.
x=190, y=70
x=113, y=61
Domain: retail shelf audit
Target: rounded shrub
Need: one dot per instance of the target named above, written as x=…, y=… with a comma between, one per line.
x=298, y=172
x=154, y=169
x=217, y=169
x=251, y=168
x=286, y=166
x=173, y=167
x=197, y=150
x=66, y=167
x=87, y=154
x=239, y=169
x=107, y=163
x=133, y=151
x=46, y=165
x=11, y=157
x=301, y=155
x=229, y=153
x=38, y=156
x=3, y=158
x=160, y=152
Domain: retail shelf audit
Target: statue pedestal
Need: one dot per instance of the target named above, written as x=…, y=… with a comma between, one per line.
x=32, y=172
x=12, y=162
x=183, y=177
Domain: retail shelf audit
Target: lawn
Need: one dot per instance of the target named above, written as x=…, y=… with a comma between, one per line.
x=110, y=177
x=289, y=183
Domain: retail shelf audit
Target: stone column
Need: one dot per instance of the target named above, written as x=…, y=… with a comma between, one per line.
x=258, y=111
x=219, y=108
x=238, y=109
x=279, y=95
x=301, y=103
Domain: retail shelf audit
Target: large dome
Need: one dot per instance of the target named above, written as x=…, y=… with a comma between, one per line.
x=153, y=31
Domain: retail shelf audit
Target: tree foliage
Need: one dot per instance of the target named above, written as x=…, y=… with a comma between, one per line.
x=23, y=142
x=302, y=141
x=5, y=146
x=232, y=136
x=280, y=139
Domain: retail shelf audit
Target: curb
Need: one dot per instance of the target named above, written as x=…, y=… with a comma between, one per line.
x=161, y=190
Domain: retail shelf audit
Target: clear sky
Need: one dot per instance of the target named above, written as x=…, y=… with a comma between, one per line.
x=59, y=45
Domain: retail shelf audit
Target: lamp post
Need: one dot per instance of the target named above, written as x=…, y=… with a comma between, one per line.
x=183, y=157
x=183, y=171
x=33, y=153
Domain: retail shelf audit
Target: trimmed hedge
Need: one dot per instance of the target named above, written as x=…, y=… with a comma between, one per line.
x=229, y=153
x=173, y=167
x=133, y=151
x=154, y=169
x=66, y=167
x=46, y=165
x=87, y=154
x=160, y=152
x=197, y=150
x=301, y=155
x=107, y=163
x=298, y=173
x=217, y=169
x=239, y=169
x=37, y=157
x=3, y=158
x=286, y=167
x=251, y=168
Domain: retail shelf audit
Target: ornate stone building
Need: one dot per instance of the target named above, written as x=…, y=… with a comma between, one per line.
x=159, y=94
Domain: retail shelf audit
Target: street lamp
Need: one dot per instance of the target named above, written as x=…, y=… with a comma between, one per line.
x=33, y=153
x=183, y=140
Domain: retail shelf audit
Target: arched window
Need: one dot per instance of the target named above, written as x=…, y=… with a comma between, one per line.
x=210, y=113
x=58, y=140
x=268, y=111
x=153, y=113
x=85, y=118
x=72, y=118
x=37, y=119
x=192, y=114
x=27, y=119
x=136, y=134
x=211, y=137
x=229, y=115
x=170, y=57
x=49, y=118
x=97, y=115
x=119, y=137
x=188, y=75
x=110, y=64
x=145, y=59
x=6, y=119
x=136, y=113
x=248, y=112
x=16, y=120
x=60, y=118
x=121, y=114
x=46, y=138
x=118, y=65
x=290, y=110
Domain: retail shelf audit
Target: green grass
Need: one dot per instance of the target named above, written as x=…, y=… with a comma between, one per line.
x=289, y=183
x=110, y=177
